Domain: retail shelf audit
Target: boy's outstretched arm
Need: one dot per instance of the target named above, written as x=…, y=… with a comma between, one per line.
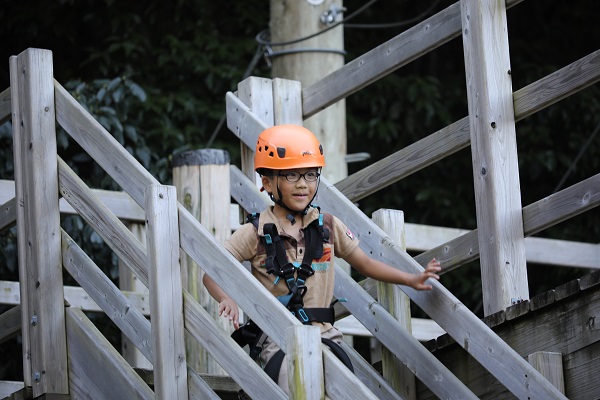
x=227, y=307
x=380, y=271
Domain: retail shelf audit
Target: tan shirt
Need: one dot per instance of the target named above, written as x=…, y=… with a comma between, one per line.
x=245, y=245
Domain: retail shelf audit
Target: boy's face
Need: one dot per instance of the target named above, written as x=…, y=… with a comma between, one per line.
x=296, y=186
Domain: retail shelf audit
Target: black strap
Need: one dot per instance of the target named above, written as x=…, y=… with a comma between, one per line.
x=274, y=365
x=278, y=264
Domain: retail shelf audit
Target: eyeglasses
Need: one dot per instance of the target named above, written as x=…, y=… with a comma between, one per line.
x=293, y=176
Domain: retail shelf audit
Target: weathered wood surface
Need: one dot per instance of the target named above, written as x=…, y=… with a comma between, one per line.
x=119, y=203
x=384, y=59
x=38, y=230
x=558, y=207
x=202, y=180
x=494, y=156
x=248, y=195
x=398, y=340
x=96, y=369
x=439, y=304
x=304, y=362
x=397, y=303
x=129, y=282
x=200, y=325
x=129, y=249
x=75, y=296
x=369, y=375
x=565, y=253
x=194, y=238
x=11, y=390
x=10, y=323
x=166, y=302
x=111, y=300
x=567, y=325
x=449, y=140
x=5, y=108
x=550, y=365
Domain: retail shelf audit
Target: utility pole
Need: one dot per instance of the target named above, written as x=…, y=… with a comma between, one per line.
x=309, y=60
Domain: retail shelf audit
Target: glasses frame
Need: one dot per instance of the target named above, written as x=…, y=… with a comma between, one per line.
x=287, y=176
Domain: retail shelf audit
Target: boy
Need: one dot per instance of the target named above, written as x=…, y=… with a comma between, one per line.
x=289, y=159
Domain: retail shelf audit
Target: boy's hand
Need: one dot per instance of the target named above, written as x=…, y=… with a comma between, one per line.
x=228, y=308
x=430, y=272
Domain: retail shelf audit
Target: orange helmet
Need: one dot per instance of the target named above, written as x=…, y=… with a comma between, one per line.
x=288, y=147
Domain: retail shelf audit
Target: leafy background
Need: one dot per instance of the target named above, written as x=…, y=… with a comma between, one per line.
x=155, y=75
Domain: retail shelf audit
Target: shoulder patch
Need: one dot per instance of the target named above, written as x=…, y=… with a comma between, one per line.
x=349, y=234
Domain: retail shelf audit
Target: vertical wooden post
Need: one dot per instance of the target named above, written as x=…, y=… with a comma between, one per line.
x=397, y=303
x=202, y=181
x=305, y=362
x=494, y=154
x=550, y=365
x=296, y=19
x=166, y=296
x=257, y=94
x=38, y=223
x=129, y=282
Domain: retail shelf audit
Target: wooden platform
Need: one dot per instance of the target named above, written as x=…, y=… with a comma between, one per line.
x=565, y=320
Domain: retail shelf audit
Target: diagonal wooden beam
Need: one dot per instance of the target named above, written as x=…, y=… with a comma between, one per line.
x=441, y=305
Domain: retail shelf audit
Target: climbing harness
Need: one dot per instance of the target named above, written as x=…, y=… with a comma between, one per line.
x=295, y=276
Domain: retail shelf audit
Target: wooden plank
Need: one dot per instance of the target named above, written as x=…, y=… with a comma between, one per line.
x=397, y=304
x=582, y=369
x=406, y=161
x=287, y=103
x=564, y=253
x=118, y=202
x=8, y=389
x=549, y=211
x=200, y=325
x=105, y=223
x=258, y=94
x=439, y=303
x=385, y=59
x=365, y=372
x=558, y=85
x=129, y=282
x=382, y=60
x=494, y=154
x=8, y=214
x=304, y=362
x=454, y=137
x=10, y=323
x=101, y=289
x=5, y=109
x=166, y=302
x=565, y=327
x=398, y=340
x=550, y=365
x=194, y=238
x=340, y=382
x=96, y=369
x=199, y=389
x=202, y=180
x=101, y=145
x=38, y=221
x=75, y=296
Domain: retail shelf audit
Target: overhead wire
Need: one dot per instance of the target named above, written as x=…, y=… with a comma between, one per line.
x=263, y=42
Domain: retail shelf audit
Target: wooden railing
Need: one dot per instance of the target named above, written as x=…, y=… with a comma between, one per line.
x=34, y=93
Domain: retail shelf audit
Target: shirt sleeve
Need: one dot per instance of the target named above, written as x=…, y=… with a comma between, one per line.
x=344, y=240
x=243, y=242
